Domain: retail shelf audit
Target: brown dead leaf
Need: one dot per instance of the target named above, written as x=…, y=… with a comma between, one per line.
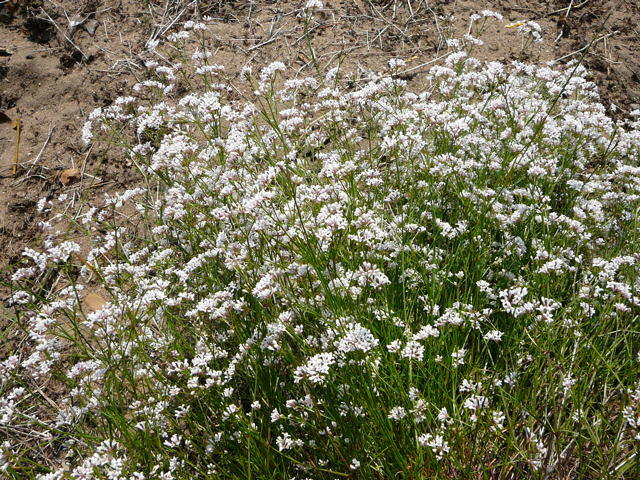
x=69, y=176
x=94, y=302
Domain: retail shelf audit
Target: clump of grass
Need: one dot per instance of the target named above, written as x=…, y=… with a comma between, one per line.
x=329, y=279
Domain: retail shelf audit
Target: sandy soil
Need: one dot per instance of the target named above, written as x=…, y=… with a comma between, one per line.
x=59, y=59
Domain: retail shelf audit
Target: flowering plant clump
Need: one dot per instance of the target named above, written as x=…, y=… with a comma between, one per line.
x=327, y=279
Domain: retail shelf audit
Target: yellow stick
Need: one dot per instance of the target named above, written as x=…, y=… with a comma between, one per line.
x=16, y=126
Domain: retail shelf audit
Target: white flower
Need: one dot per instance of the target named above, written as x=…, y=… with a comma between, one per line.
x=567, y=382
x=397, y=413
x=443, y=415
x=437, y=443
x=395, y=63
x=493, y=335
x=413, y=351
x=491, y=13
x=476, y=402
x=357, y=338
x=316, y=368
x=498, y=420
x=276, y=415
x=531, y=28
x=395, y=346
x=267, y=286
x=457, y=357
x=371, y=275
x=426, y=332
x=314, y=4
x=285, y=442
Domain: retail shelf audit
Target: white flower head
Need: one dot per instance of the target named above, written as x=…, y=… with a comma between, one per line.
x=311, y=4
x=397, y=413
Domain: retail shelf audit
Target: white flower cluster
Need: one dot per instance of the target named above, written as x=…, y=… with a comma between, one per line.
x=336, y=275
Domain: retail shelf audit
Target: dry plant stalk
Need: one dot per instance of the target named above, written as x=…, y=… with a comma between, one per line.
x=16, y=125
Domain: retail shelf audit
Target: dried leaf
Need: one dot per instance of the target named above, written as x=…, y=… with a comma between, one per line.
x=94, y=302
x=69, y=176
